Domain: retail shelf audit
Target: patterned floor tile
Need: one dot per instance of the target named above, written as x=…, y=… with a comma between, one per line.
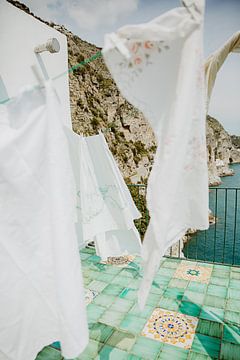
x=193, y=272
x=120, y=261
x=90, y=295
x=171, y=327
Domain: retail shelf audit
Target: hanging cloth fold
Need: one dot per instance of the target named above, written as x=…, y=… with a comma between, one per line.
x=41, y=288
x=105, y=209
x=158, y=67
x=215, y=61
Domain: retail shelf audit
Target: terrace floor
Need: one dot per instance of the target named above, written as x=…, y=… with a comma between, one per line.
x=192, y=312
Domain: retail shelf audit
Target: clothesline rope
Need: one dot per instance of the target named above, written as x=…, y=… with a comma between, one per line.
x=81, y=64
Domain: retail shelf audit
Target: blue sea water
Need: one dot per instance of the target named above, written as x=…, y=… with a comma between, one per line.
x=221, y=242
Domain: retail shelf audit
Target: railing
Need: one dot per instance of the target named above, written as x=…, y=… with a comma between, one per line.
x=220, y=243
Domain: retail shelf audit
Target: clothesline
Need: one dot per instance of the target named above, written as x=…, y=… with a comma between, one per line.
x=81, y=64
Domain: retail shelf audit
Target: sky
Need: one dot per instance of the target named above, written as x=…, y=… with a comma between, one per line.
x=91, y=19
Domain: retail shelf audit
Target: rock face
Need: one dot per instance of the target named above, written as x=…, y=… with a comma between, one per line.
x=96, y=104
x=222, y=151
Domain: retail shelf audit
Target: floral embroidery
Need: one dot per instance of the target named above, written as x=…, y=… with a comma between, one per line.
x=141, y=55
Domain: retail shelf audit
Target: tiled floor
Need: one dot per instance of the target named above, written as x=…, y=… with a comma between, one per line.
x=192, y=312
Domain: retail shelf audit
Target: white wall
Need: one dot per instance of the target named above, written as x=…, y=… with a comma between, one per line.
x=19, y=34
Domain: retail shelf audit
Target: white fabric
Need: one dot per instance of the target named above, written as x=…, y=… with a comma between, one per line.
x=160, y=72
x=215, y=61
x=105, y=209
x=41, y=289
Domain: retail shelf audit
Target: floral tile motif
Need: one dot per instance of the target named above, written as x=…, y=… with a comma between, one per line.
x=171, y=327
x=193, y=272
x=90, y=295
x=120, y=261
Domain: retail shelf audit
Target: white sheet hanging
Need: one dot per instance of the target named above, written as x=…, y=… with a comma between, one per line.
x=158, y=67
x=105, y=209
x=41, y=290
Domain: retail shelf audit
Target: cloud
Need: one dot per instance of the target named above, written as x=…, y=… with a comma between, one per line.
x=91, y=14
x=87, y=15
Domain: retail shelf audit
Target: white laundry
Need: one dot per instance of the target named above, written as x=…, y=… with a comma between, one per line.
x=158, y=67
x=41, y=289
x=105, y=209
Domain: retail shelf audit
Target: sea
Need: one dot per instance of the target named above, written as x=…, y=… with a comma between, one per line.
x=221, y=242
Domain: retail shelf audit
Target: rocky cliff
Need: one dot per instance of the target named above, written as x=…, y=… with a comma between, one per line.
x=222, y=151
x=96, y=104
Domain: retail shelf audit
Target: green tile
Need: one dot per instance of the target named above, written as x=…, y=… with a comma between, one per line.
x=235, y=275
x=212, y=314
x=172, y=264
x=146, y=348
x=94, y=259
x=233, y=305
x=106, y=277
x=100, y=332
x=172, y=352
x=174, y=293
x=115, y=270
x=88, y=250
x=49, y=353
x=233, y=294
x=232, y=317
x=194, y=297
x=112, y=289
x=134, y=357
x=197, y=287
x=121, y=280
x=216, y=290
x=166, y=272
x=110, y=353
x=211, y=328
x=235, y=284
x=122, y=340
x=219, y=281
x=157, y=290
x=104, y=300
x=161, y=281
x=94, y=312
x=169, y=304
x=84, y=256
x=229, y=351
x=97, y=285
x=129, y=294
x=145, y=313
x=235, y=269
x=133, y=324
x=189, y=308
x=134, y=284
x=231, y=333
x=95, y=275
x=91, y=350
x=112, y=318
x=131, y=273
x=152, y=299
x=122, y=305
x=86, y=281
x=214, y=301
x=206, y=345
x=178, y=283
x=197, y=356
